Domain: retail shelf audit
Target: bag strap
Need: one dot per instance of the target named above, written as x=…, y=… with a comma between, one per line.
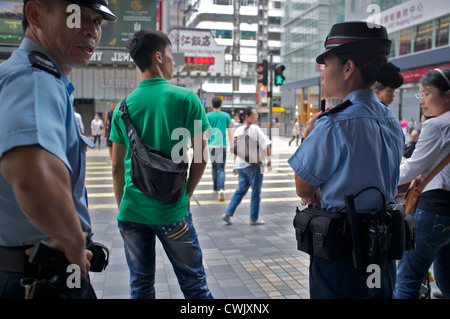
x=131, y=131
x=433, y=173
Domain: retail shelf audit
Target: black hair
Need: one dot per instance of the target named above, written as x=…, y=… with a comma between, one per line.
x=143, y=46
x=216, y=102
x=435, y=78
x=374, y=68
x=248, y=111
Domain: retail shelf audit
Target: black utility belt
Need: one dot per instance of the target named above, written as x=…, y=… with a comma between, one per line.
x=15, y=260
x=369, y=238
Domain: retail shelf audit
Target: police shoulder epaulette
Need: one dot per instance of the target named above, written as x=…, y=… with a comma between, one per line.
x=41, y=61
x=338, y=108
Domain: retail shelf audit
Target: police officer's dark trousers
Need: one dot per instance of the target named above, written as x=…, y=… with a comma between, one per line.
x=338, y=279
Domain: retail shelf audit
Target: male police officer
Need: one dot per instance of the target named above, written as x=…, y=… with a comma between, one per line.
x=42, y=154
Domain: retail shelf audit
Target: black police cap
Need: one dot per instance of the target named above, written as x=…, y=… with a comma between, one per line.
x=101, y=6
x=355, y=36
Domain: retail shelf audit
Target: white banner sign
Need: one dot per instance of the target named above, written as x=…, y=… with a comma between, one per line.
x=410, y=13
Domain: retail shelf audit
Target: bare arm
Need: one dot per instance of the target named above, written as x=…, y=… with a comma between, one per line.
x=118, y=170
x=41, y=185
x=303, y=189
x=199, y=161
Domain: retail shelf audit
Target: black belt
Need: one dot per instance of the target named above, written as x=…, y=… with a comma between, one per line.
x=13, y=259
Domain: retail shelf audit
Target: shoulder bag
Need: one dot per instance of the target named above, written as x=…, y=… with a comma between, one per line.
x=247, y=148
x=417, y=186
x=153, y=172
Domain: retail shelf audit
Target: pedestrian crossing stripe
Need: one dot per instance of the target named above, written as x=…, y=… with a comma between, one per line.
x=212, y=202
x=202, y=183
x=204, y=191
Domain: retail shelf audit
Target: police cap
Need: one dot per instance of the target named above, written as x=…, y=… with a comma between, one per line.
x=101, y=6
x=355, y=36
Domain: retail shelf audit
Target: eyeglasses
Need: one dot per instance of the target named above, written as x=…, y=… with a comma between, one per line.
x=420, y=96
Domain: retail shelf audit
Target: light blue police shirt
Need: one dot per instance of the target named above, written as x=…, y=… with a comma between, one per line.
x=358, y=147
x=35, y=109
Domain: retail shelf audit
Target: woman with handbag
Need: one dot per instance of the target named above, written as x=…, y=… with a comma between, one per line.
x=354, y=145
x=432, y=213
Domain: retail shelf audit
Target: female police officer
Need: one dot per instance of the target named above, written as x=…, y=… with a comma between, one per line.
x=354, y=145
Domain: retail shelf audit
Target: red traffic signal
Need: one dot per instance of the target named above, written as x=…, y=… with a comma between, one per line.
x=262, y=69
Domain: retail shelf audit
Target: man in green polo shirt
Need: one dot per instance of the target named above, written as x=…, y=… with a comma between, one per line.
x=220, y=121
x=165, y=117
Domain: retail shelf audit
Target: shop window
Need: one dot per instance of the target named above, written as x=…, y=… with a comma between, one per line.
x=423, y=35
x=405, y=42
x=248, y=35
x=442, y=31
x=222, y=34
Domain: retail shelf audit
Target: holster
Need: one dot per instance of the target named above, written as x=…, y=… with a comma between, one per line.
x=100, y=257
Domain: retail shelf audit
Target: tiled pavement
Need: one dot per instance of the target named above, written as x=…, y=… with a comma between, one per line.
x=241, y=261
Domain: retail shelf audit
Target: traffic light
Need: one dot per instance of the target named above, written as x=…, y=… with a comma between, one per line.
x=278, y=75
x=263, y=71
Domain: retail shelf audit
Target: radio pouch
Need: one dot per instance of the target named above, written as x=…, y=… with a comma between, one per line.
x=320, y=233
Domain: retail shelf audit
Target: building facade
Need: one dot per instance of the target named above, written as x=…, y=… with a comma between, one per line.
x=111, y=74
x=420, y=36
x=247, y=33
x=305, y=24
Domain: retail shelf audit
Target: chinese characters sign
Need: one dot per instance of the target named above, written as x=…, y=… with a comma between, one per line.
x=202, y=53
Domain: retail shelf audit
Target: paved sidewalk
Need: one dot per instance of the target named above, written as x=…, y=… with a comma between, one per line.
x=241, y=261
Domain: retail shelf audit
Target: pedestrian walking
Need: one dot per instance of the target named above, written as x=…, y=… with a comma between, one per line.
x=432, y=215
x=97, y=129
x=107, y=128
x=296, y=131
x=79, y=121
x=42, y=153
x=159, y=111
x=249, y=175
x=220, y=123
x=355, y=145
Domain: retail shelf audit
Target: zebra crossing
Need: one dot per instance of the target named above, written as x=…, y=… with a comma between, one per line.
x=278, y=185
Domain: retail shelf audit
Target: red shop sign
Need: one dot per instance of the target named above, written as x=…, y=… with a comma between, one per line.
x=416, y=75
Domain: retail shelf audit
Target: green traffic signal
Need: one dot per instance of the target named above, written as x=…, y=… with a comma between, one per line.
x=279, y=80
x=278, y=76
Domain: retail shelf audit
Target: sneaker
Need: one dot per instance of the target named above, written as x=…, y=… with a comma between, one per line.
x=257, y=222
x=221, y=195
x=227, y=219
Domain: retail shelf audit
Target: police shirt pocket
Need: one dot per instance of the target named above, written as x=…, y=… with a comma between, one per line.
x=175, y=231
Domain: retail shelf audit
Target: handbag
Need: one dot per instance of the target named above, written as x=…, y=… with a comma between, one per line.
x=247, y=148
x=152, y=171
x=417, y=186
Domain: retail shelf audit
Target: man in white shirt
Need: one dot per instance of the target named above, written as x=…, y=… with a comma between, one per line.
x=249, y=174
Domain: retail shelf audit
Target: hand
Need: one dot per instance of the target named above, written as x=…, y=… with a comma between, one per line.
x=235, y=172
x=80, y=257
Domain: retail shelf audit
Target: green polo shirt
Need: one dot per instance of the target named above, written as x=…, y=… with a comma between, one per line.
x=219, y=121
x=161, y=113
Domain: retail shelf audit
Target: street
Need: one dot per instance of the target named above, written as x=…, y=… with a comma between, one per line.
x=241, y=261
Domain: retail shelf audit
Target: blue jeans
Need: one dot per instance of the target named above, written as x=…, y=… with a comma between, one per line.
x=432, y=245
x=218, y=160
x=249, y=176
x=182, y=248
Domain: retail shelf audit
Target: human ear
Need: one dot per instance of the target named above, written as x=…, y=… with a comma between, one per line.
x=349, y=69
x=32, y=12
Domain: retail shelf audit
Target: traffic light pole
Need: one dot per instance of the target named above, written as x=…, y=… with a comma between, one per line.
x=270, y=94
